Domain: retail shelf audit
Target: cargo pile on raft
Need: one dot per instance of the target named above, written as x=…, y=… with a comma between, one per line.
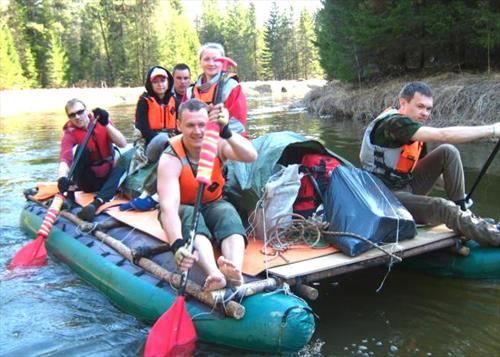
x=125, y=254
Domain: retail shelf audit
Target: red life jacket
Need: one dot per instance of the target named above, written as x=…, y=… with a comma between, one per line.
x=161, y=117
x=100, y=147
x=317, y=170
x=187, y=180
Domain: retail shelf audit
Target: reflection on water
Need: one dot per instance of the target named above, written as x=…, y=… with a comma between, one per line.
x=52, y=312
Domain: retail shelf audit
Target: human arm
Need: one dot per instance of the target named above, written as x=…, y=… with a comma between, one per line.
x=169, y=170
x=232, y=146
x=236, y=104
x=456, y=134
x=115, y=135
x=66, y=153
x=65, y=160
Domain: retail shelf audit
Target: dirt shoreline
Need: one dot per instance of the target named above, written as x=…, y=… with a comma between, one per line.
x=459, y=99
x=14, y=102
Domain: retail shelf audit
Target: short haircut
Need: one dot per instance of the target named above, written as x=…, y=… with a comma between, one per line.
x=181, y=67
x=192, y=105
x=411, y=88
x=211, y=45
x=72, y=102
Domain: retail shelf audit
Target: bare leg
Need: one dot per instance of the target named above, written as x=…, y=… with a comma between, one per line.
x=215, y=278
x=231, y=261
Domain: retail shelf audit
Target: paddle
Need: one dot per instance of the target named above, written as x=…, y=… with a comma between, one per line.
x=483, y=170
x=174, y=334
x=34, y=253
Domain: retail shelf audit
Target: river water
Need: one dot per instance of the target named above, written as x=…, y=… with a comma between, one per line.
x=51, y=312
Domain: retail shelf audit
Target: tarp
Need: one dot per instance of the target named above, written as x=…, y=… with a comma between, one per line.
x=358, y=202
x=246, y=181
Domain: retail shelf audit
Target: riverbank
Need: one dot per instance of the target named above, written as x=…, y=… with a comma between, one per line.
x=13, y=102
x=459, y=99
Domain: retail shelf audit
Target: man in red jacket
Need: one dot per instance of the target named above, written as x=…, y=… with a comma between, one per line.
x=96, y=170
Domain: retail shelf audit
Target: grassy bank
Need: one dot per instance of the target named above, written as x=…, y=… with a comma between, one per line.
x=459, y=99
x=14, y=102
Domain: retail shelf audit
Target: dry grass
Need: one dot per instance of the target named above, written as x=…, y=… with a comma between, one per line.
x=458, y=99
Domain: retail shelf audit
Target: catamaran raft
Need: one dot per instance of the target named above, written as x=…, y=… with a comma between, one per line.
x=125, y=255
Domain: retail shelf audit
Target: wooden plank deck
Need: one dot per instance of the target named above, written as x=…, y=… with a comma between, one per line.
x=428, y=239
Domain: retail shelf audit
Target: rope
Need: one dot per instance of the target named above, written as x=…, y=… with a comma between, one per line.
x=309, y=232
x=395, y=245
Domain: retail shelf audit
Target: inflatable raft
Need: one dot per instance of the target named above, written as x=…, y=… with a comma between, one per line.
x=145, y=287
x=479, y=263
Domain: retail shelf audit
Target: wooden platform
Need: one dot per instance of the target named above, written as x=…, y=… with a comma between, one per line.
x=428, y=239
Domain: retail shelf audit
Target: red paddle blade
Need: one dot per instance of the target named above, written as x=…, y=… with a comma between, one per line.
x=32, y=254
x=173, y=334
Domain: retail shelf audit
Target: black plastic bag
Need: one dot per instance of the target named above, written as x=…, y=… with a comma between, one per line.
x=358, y=202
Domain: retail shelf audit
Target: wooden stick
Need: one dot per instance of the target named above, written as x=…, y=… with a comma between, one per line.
x=232, y=308
x=307, y=291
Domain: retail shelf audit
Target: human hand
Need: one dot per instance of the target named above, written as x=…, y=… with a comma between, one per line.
x=101, y=115
x=63, y=184
x=184, y=259
x=221, y=115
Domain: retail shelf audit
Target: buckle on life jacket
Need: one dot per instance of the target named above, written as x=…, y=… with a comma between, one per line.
x=213, y=187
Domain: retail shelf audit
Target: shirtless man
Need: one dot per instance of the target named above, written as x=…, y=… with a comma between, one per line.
x=177, y=189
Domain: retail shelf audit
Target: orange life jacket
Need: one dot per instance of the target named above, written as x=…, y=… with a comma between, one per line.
x=409, y=157
x=161, y=117
x=187, y=180
x=209, y=96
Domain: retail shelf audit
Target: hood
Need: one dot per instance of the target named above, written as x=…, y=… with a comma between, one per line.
x=149, y=86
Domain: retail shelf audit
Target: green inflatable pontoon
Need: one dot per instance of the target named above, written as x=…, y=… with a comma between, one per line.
x=274, y=321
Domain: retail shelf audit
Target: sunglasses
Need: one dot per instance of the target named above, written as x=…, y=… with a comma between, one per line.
x=74, y=114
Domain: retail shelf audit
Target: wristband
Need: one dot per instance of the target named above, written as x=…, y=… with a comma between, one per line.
x=494, y=134
x=179, y=242
x=226, y=133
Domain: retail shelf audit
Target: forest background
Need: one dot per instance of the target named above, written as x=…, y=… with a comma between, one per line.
x=99, y=43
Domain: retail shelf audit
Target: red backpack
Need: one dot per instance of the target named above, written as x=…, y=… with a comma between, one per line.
x=317, y=169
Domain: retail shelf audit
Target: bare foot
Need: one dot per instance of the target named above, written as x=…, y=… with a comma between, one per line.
x=214, y=282
x=233, y=275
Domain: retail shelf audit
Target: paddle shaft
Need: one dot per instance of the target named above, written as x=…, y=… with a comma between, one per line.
x=483, y=170
x=225, y=62
x=34, y=253
x=192, y=234
x=81, y=148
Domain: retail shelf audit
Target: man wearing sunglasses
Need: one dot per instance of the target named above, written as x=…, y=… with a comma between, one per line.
x=95, y=170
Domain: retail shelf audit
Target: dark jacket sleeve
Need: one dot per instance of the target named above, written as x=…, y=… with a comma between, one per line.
x=141, y=120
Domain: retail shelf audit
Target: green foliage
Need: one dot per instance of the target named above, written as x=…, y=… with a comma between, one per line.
x=57, y=64
x=11, y=73
x=178, y=40
x=362, y=40
x=211, y=26
x=307, y=51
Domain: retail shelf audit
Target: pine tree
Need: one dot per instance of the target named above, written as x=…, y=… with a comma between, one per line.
x=272, y=51
x=57, y=64
x=11, y=72
x=183, y=38
x=308, y=53
x=211, y=22
x=16, y=21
